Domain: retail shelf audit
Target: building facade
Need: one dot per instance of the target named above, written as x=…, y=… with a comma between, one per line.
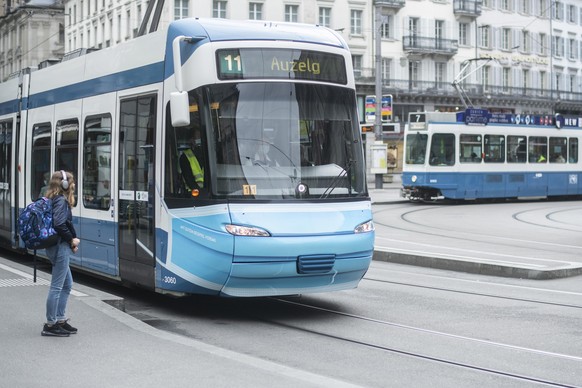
x=31, y=35
x=522, y=56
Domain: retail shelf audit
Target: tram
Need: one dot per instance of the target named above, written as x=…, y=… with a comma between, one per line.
x=121, y=117
x=476, y=154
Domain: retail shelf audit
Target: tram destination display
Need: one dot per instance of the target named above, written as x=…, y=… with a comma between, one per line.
x=257, y=63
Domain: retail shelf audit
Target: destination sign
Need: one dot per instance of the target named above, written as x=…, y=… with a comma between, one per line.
x=257, y=63
x=472, y=116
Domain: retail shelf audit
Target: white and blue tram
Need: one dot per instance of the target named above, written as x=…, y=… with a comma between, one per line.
x=481, y=155
x=121, y=117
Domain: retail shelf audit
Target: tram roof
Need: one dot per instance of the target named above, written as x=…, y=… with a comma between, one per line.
x=227, y=29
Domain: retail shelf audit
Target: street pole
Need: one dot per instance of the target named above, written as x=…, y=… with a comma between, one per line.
x=378, y=118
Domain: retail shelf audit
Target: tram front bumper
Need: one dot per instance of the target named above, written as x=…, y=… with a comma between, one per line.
x=301, y=271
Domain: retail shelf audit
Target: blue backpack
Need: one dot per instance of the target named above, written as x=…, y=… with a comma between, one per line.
x=35, y=225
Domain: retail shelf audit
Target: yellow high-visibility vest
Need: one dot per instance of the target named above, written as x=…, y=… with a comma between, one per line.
x=197, y=171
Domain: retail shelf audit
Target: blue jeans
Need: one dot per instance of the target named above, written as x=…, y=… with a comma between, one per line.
x=61, y=282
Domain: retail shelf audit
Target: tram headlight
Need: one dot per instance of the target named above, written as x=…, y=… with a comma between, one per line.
x=365, y=227
x=413, y=178
x=250, y=231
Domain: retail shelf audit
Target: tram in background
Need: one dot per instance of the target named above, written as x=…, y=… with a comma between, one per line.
x=480, y=155
x=121, y=117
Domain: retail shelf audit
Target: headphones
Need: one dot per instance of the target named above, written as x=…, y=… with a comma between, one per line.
x=65, y=182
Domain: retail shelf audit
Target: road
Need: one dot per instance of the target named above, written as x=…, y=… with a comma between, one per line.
x=404, y=326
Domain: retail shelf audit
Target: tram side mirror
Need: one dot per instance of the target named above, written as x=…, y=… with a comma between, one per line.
x=179, y=109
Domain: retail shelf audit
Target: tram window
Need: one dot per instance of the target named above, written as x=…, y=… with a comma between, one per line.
x=416, y=148
x=40, y=170
x=573, y=150
x=538, y=149
x=178, y=140
x=67, y=146
x=516, y=149
x=442, y=149
x=471, y=148
x=558, y=149
x=494, y=148
x=97, y=162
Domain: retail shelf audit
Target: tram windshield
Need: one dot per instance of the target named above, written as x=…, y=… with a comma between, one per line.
x=275, y=141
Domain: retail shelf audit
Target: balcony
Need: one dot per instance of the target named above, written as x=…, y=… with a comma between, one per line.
x=471, y=8
x=394, y=4
x=417, y=91
x=415, y=44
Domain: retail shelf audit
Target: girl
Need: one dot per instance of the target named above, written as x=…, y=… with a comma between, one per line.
x=61, y=190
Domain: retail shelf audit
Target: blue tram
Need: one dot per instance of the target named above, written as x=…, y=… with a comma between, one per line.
x=480, y=155
x=281, y=206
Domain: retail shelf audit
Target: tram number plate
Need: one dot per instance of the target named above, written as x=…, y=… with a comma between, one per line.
x=249, y=189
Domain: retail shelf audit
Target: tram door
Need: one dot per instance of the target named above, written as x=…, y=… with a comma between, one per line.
x=136, y=190
x=5, y=181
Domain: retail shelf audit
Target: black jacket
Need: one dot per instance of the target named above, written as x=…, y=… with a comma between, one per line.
x=63, y=219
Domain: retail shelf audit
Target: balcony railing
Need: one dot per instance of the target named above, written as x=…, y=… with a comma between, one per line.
x=426, y=45
x=474, y=91
x=467, y=7
x=390, y=3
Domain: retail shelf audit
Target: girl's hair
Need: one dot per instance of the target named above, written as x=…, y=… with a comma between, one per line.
x=55, y=187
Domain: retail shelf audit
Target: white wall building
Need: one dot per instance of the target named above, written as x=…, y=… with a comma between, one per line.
x=424, y=43
x=30, y=33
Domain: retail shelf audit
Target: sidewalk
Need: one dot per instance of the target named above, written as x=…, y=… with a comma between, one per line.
x=113, y=349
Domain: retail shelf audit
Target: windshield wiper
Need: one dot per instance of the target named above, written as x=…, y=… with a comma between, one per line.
x=337, y=179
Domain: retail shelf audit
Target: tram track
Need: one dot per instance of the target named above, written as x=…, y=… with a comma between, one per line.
x=490, y=295
x=465, y=236
x=445, y=235
x=427, y=356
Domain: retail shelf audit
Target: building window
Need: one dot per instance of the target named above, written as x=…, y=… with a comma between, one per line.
x=219, y=9
x=572, y=46
x=506, y=79
x=572, y=13
x=525, y=42
x=485, y=31
x=525, y=79
x=464, y=34
x=413, y=73
x=357, y=63
x=557, y=10
x=356, y=22
x=386, y=72
x=441, y=74
x=506, y=5
x=486, y=77
x=255, y=11
x=292, y=13
x=325, y=17
x=439, y=26
x=180, y=9
x=542, y=42
x=506, y=39
x=543, y=8
x=558, y=46
x=386, y=27
x=543, y=81
x=525, y=7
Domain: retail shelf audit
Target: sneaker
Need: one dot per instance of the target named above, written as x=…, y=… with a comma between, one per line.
x=66, y=327
x=54, y=331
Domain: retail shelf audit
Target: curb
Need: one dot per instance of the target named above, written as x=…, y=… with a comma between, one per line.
x=476, y=267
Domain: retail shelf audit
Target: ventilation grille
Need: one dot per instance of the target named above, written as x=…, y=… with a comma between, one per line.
x=314, y=264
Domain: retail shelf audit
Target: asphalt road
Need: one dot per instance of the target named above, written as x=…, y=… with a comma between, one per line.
x=404, y=326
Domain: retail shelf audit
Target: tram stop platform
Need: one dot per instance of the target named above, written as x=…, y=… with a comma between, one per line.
x=114, y=349
x=522, y=239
